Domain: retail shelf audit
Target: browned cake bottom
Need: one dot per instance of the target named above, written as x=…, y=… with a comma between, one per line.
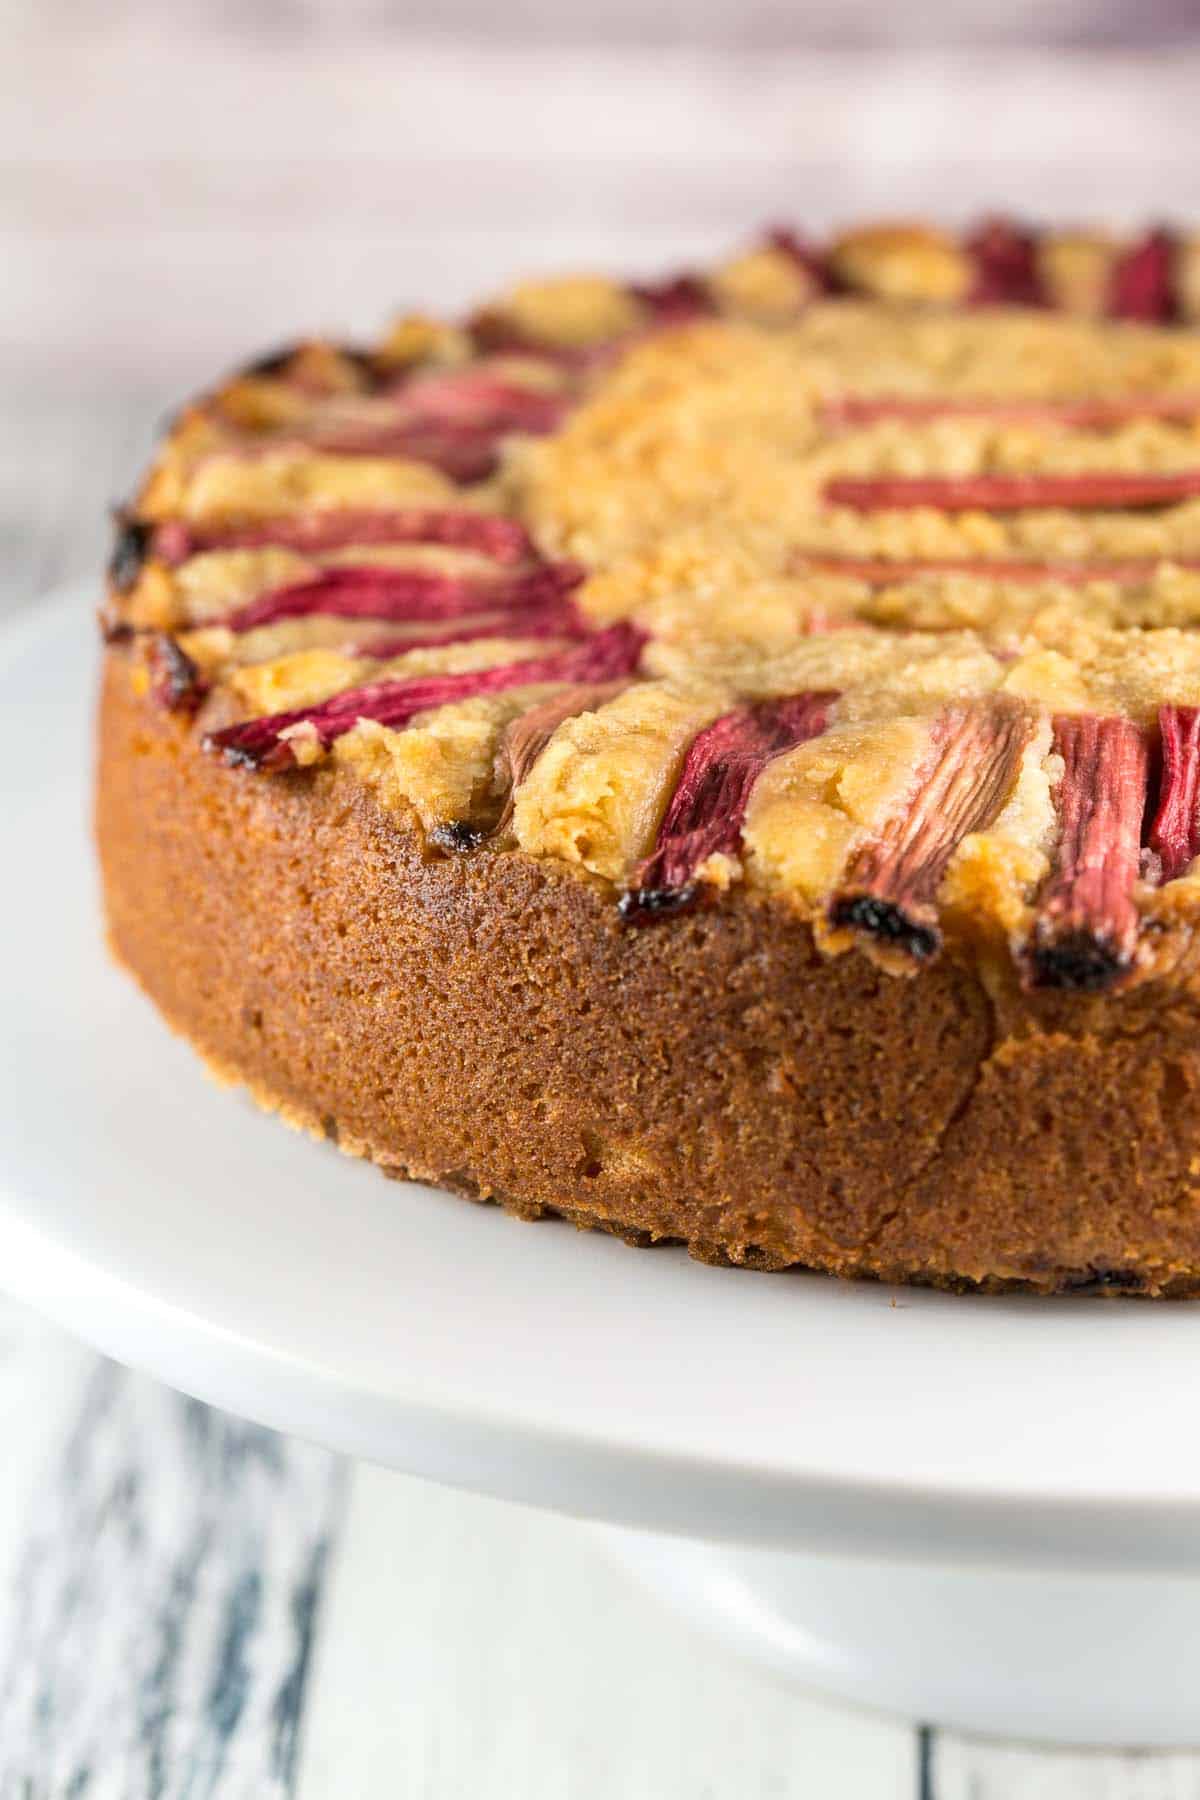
x=489, y=1025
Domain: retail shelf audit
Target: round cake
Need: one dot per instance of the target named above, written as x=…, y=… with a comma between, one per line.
x=717, y=760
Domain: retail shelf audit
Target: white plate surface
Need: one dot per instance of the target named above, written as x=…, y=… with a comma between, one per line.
x=181, y=1230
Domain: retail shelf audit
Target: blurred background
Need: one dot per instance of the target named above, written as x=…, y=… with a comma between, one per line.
x=181, y=182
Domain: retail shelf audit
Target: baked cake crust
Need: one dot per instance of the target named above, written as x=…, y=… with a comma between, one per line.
x=984, y=1073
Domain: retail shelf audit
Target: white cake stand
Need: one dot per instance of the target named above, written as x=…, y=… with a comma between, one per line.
x=985, y=1512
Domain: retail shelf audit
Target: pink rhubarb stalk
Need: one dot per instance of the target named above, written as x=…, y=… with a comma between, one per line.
x=1086, y=931
x=1015, y=493
x=263, y=743
x=474, y=399
x=1142, y=285
x=1094, y=414
x=890, y=890
x=551, y=619
x=1175, y=832
x=523, y=743
x=1004, y=257
x=313, y=533
x=709, y=805
x=418, y=595
x=881, y=571
x=676, y=301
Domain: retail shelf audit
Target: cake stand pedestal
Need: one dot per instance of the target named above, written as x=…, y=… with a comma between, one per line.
x=982, y=1511
x=1094, y=1659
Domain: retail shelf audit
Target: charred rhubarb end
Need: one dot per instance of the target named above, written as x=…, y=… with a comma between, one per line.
x=1004, y=256
x=1086, y=932
x=457, y=837
x=1175, y=832
x=1015, y=493
x=405, y=596
x=175, y=681
x=131, y=545
x=914, y=931
x=709, y=805
x=1143, y=281
x=889, y=895
x=267, y=743
x=643, y=905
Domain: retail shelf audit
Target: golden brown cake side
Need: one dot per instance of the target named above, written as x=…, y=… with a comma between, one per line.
x=488, y=1023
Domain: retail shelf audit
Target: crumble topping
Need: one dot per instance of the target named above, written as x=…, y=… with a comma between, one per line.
x=865, y=575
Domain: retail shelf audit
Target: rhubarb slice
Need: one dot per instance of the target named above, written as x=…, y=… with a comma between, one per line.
x=1175, y=833
x=1143, y=280
x=555, y=618
x=674, y=302
x=890, y=890
x=264, y=743
x=881, y=571
x=418, y=595
x=804, y=254
x=523, y=742
x=1087, y=924
x=175, y=680
x=502, y=539
x=465, y=453
x=477, y=400
x=1080, y=414
x=1005, y=259
x=707, y=811
x=1015, y=493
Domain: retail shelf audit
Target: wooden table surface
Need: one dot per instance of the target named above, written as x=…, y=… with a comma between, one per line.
x=191, y=1606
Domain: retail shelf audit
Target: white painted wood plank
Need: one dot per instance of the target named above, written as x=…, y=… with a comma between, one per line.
x=156, y=1640
x=42, y=1373
x=479, y=1651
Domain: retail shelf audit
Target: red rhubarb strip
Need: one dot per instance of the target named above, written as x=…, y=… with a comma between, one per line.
x=890, y=890
x=261, y=743
x=416, y=595
x=1087, y=924
x=465, y=453
x=1175, y=833
x=676, y=301
x=881, y=571
x=553, y=619
x=314, y=532
x=805, y=254
x=1142, y=285
x=1014, y=493
x=478, y=401
x=709, y=804
x=1005, y=261
x=1096, y=413
x=523, y=743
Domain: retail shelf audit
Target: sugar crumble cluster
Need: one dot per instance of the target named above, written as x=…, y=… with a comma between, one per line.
x=864, y=576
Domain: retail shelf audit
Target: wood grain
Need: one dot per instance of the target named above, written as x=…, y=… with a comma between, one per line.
x=162, y=1615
